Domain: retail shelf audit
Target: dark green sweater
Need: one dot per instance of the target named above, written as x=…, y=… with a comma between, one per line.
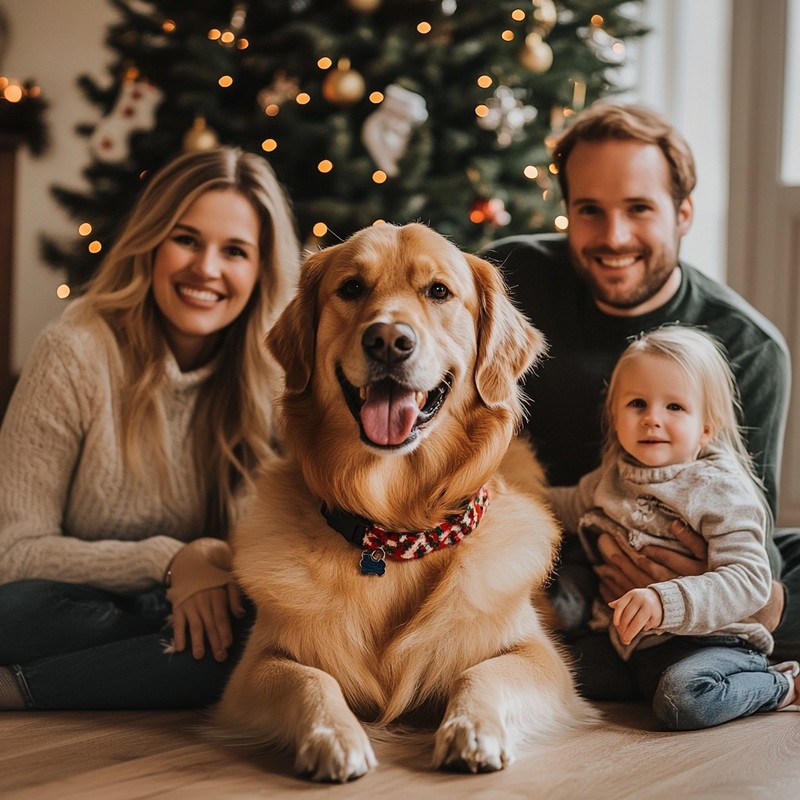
x=567, y=389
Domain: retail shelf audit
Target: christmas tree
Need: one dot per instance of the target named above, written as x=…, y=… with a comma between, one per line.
x=433, y=110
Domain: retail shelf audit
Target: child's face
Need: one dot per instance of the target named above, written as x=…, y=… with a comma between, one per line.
x=657, y=413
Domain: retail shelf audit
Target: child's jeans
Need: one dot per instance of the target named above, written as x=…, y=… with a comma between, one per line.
x=698, y=682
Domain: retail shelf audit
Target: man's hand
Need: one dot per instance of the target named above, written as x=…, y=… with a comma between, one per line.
x=624, y=568
x=207, y=614
x=636, y=611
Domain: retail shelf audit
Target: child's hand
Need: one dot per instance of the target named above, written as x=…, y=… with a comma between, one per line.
x=636, y=611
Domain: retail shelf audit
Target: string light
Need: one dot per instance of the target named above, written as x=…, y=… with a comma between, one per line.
x=214, y=34
x=518, y=15
x=268, y=145
x=325, y=165
x=485, y=81
x=424, y=27
x=225, y=81
x=325, y=63
x=95, y=246
x=507, y=36
x=84, y=229
x=303, y=98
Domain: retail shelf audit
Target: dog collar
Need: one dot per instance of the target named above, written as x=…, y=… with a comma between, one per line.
x=403, y=545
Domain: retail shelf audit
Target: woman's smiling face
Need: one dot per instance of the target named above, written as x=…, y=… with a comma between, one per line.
x=205, y=271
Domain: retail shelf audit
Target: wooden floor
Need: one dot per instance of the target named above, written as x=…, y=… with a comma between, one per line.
x=132, y=755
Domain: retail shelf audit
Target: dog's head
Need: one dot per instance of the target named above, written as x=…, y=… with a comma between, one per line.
x=398, y=343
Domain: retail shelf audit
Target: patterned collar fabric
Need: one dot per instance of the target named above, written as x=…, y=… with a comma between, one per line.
x=404, y=545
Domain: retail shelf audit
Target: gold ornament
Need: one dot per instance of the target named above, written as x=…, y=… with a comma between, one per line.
x=364, y=6
x=536, y=54
x=343, y=86
x=199, y=137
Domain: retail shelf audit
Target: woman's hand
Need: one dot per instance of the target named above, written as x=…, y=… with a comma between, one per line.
x=204, y=595
x=207, y=615
x=624, y=568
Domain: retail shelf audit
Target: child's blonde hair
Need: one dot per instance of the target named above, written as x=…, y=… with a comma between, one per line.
x=702, y=360
x=234, y=423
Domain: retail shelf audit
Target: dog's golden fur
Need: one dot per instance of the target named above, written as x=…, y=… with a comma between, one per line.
x=455, y=629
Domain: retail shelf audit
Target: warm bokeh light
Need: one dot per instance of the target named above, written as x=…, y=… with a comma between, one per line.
x=531, y=172
x=379, y=222
x=214, y=34
x=561, y=222
x=243, y=44
x=507, y=36
x=95, y=246
x=320, y=229
x=303, y=98
x=168, y=26
x=272, y=110
x=63, y=292
x=518, y=14
x=227, y=37
x=379, y=176
x=13, y=93
x=84, y=229
x=485, y=81
x=424, y=27
x=325, y=63
x=225, y=81
x=325, y=165
x=481, y=110
x=597, y=20
x=376, y=97
x=268, y=145
x=553, y=169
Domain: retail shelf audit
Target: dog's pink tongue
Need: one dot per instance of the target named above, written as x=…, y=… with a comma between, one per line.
x=389, y=413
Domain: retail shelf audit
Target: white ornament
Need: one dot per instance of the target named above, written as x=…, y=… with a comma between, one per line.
x=506, y=115
x=135, y=110
x=387, y=130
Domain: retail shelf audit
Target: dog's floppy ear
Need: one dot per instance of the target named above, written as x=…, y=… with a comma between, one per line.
x=292, y=338
x=508, y=345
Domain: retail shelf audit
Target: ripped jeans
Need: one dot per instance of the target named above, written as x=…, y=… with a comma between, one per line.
x=700, y=681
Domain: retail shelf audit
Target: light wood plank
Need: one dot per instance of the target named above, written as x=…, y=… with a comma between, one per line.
x=133, y=756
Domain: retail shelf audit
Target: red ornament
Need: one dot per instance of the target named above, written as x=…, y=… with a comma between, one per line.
x=489, y=211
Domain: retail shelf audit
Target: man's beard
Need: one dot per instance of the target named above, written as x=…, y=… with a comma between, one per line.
x=656, y=275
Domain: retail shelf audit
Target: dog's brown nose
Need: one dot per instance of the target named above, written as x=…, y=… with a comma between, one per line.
x=389, y=342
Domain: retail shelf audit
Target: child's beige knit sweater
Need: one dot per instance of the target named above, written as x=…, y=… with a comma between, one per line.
x=70, y=510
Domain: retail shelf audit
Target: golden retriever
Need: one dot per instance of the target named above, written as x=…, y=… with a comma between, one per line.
x=402, y=357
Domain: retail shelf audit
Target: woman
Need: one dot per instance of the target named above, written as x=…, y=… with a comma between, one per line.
x=138, y=421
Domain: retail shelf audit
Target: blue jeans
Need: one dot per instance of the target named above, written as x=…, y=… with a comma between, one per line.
x=701, y=681
x=72, y=646
x=603, y=674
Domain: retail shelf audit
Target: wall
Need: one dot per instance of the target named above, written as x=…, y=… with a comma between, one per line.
x=683, y=73
x=51, y=42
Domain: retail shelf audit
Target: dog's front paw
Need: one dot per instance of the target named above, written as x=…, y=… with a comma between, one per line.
x=469, y=745
x=340, y=753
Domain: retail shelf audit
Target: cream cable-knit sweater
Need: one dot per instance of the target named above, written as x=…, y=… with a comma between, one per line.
x=70, y=510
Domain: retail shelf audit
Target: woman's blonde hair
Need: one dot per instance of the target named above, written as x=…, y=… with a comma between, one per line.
x=234, y=423
x=702, y=360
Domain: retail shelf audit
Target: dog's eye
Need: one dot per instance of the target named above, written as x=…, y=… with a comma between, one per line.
x=351, y=289
x=438, y=291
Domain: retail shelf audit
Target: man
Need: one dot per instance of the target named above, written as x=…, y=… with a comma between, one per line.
x=626, y=177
